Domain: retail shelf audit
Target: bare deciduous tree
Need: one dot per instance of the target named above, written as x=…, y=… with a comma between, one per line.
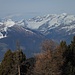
x=46, y=63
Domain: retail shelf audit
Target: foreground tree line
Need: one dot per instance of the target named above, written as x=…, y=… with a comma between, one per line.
x=53, y=59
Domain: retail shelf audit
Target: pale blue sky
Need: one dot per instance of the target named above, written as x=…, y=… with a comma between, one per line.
x=31, y=8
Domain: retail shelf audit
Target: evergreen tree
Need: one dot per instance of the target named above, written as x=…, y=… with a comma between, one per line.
x=72, y=55
x=19, y=58
x=9, y=65
x=59, y=55
x=6, y=64
x=69, y=63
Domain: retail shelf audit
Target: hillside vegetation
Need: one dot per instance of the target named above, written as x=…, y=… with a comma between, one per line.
x=53, y=59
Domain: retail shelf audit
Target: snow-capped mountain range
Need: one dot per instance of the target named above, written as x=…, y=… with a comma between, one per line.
x=42, y=24
x=33, y=31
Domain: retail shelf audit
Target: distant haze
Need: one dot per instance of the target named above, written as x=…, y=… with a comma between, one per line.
x=30, y=8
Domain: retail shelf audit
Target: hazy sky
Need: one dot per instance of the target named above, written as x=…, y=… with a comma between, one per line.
x=31, y=8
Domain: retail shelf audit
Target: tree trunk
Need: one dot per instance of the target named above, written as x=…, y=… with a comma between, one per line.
x=18, y=69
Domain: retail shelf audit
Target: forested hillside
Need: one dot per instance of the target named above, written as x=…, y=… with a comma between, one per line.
x=54, y=59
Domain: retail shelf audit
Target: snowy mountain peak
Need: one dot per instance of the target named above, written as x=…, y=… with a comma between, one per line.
x=22, y=23
x=4, y=25
x=64, y=14
x=9, y=23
